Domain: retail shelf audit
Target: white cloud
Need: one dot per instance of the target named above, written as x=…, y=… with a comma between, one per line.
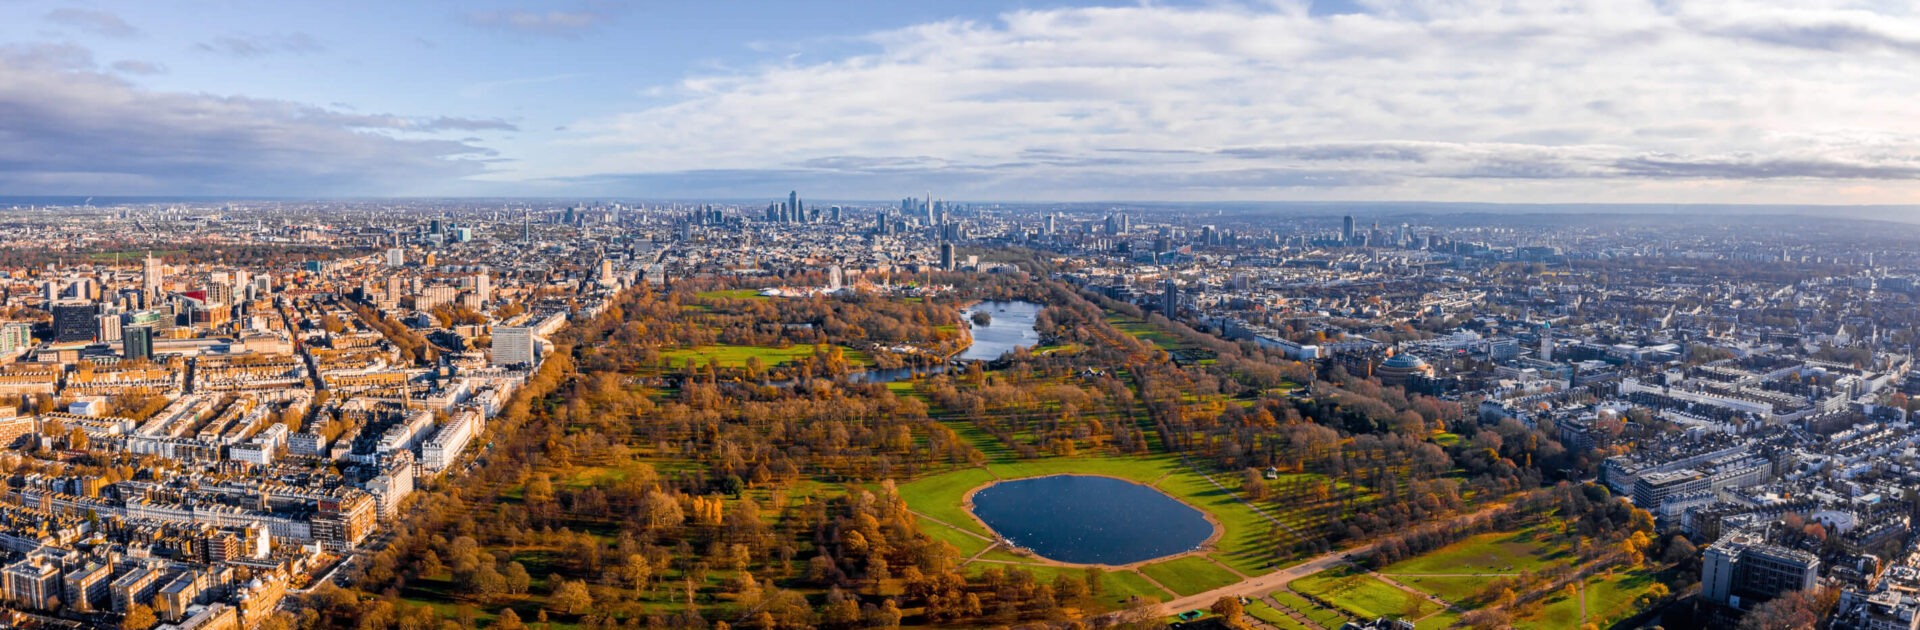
x=1570, y=100
x=67, y=127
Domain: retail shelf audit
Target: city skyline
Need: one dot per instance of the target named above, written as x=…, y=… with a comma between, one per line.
x=1613, y=102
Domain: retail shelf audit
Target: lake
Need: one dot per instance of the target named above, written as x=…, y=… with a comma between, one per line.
x=1086, y=519
x=1011, y=327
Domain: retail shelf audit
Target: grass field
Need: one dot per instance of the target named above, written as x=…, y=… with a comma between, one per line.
x=1611, y=598
x=1363, y=595
x=940, y=497
x=733, y=294
x=1453, y=589
x=1189, y=575
x=1326, y=618
x=736, y=356
x=1508, y=552
x=1247, y=544
x=1263, y=612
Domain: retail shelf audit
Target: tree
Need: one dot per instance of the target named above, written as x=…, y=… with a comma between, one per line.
x=508, y=620
x=518, y=581
x=138, y=617
x=1678, y=550
x=1229, y=610
x=570, y=597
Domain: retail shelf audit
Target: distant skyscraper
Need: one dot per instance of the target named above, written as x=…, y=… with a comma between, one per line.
x=483, y=285
x=930, y=208
x=946, y=255
x=152, y=279
x=1170, y=302
x=396, y=257
x=1346, y=232
x=1051, y=223
x=793, y=199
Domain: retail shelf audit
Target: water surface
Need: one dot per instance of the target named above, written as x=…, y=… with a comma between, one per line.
x=1090, y=520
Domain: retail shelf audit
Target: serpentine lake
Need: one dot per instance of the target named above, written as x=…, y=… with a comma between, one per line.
x=1086, y=519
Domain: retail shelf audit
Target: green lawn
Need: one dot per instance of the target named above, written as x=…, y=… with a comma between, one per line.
x=1189, y=575
x=1129, y=583
x=1559, y=610
x=1505, y=552
x=1363, y=595
x=940, y=496
x=1326, y=618
x=1260, y=610
x=1438, y=622
x=1453, y=589
x=1247, y=545
x=1141, y=469
x=1611, y=598
x=968, y=544
x=733, y=294
x=736, y=356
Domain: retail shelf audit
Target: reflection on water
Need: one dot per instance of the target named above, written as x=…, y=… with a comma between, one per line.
x=1011, y=327
x=1090, y=520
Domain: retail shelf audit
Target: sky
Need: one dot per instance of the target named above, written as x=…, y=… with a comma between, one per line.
x=1534, y=101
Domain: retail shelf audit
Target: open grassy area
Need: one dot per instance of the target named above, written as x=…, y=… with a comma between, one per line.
x=1610, y=598
x=1453, y=589
x=1559, y=610
x=1260, y=610
x=1247, y=545
x=968, y=544
x=1504, y=552
x=1363, y=595
x=733, y=294
x=1189, y=575
x=736, y=356
x=1326, y=618
x=1438, y=622
x=940, y=496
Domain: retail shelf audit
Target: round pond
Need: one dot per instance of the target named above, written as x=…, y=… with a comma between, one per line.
x=1090, y=520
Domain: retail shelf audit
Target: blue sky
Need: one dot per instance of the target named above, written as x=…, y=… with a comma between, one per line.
x=1715, y=101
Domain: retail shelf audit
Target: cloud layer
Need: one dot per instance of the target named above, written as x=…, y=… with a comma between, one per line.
x=68, y=127
x=1559, y=100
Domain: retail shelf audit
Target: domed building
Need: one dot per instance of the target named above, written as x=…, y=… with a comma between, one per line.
x=1401, y=366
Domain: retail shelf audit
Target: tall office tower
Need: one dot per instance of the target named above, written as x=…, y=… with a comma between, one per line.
x=136, y=342
x=946, y=255
x=1346, y=231
x=483, y=285
x=1051, y=223
x=526, y=226
x=1546, y=342
x=1402, y=241
x=396, y=257
x=929, y=208
x=107, y=327
x=1126, y=224
x=75, y=321
x=834, y=214
x=1170, y=302
x=513, y=345
x=152, y=278
x=793, y=199
x=1113, y=224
